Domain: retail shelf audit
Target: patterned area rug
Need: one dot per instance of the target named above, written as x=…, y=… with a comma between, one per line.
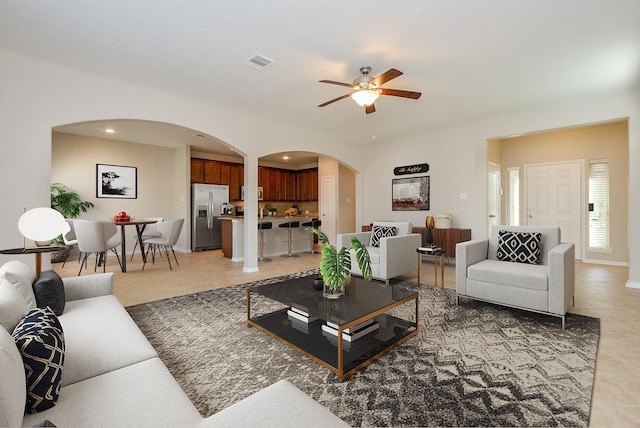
x=474, y=364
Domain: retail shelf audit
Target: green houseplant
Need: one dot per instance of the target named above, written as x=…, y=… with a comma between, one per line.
x=335, y=264
x=66, y=201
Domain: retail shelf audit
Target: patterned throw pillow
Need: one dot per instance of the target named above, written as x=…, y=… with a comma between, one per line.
x=379, y=232
x=40, y=340
x=519, y=247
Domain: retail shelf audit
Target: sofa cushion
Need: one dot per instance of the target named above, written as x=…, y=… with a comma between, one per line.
x=278, y=405
x=49, y=291
x=100, y=336
x=40, y=340
x=534, y=277
x=13, y=390
x=378, y=232
x=519, y=247
x=140, y=395
x=13, y=307
x=22, y=277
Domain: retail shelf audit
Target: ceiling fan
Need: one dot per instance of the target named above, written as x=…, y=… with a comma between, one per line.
x=366, y=89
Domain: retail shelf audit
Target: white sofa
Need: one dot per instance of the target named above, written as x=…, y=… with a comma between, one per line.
x=112, y=376
x=546, y=287
x=396, y=254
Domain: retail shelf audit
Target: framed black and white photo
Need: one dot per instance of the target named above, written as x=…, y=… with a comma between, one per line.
x=115, y=181
x=410, y=194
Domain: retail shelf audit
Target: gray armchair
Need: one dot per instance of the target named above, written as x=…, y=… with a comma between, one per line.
x=546, y=287
x=392, y=255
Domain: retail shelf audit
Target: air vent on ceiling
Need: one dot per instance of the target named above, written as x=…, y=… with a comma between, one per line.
x=258, y=62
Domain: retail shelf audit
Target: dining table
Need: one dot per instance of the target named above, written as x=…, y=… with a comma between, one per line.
x=140, y=224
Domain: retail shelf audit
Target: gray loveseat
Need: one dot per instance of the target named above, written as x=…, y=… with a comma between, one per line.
x=112, y=376
x=546, y=287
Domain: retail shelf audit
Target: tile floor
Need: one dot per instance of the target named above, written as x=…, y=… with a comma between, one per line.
x=600, y=292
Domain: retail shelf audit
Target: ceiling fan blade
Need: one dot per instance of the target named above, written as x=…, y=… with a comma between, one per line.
x=334, y=100
x=386, y=76
x=370, y=108
x=333, y=82
x=400, y=93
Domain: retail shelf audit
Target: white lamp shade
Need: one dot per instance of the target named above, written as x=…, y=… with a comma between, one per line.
x=365, y=97
x=41, y=224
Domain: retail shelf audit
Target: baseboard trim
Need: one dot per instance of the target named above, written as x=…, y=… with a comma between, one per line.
x=630, y=284
x=605, y=262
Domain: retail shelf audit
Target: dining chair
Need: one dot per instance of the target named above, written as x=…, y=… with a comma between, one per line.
x=150, y=231
x=170, y=231
x=69, y=238
x=97, y=237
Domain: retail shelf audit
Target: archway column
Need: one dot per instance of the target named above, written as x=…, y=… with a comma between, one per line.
x=250, y=214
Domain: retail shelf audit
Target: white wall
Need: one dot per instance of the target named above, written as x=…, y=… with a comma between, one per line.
x=457, y=159
x=73, y=163
x=36, y=96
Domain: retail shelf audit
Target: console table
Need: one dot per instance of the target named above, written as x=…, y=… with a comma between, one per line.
x=444, y=238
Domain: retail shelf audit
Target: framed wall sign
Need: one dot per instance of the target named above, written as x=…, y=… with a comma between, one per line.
x=410, y=194
x=420, y=168
x=114, y=181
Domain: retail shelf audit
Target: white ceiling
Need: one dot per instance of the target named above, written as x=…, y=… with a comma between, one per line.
x=470, y=59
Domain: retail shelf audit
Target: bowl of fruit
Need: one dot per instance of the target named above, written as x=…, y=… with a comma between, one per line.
x=122, y=216
x=290, y=212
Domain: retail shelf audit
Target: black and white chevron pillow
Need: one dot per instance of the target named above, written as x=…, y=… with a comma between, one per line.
x=378, y=232
x=519, y=247
x=40, y=340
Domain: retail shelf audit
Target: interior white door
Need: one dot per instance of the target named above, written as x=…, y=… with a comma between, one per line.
x=493, y=196
x=554, y=198
x=327, y=207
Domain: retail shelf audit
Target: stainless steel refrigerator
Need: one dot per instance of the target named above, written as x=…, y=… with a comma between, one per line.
x=206, y=207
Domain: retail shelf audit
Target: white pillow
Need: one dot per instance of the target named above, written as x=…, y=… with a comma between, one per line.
x=13, y=385
x=22, y=277
x=13, y=307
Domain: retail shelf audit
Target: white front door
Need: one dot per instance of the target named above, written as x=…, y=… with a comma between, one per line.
x=328, y=207
x=554, y=198
x=493, y=196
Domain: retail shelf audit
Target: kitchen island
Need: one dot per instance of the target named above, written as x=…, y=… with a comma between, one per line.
x=275, y=239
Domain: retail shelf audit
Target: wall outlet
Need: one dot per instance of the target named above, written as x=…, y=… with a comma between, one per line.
x=463, y=195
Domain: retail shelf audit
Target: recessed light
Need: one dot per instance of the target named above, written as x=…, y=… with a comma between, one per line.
x=110, y=131
x=285, y=157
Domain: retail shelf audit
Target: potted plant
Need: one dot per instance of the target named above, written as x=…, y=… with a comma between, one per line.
x=66, y=201
x=335, y=265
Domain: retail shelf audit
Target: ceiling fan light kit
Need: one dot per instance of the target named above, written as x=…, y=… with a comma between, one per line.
x=366, y=89
x=365, y=97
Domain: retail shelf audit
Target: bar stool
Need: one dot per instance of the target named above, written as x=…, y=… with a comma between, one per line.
x=315, y=224
x=290, y=225
x=261, y=228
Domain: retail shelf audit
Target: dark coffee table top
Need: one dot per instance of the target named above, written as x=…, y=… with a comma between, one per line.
x=361, y=298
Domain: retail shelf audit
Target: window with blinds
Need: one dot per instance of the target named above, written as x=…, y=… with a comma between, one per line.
x=513, y=196
x=599, y=204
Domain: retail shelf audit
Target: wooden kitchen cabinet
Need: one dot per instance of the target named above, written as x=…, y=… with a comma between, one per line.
x=197, y=171
x=212, y=171
x=236, y=181
x=225, y=173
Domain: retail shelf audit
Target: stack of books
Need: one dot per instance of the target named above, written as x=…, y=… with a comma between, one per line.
x=300, y=319
x=300, y=315
x=428, y=250
x=351, y=334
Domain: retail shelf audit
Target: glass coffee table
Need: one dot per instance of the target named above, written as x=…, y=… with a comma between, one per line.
x=343, y=335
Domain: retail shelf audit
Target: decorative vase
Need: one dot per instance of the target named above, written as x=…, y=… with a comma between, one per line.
x=429, y=237
x=318, y=283
x=430, y=224
x=335, y=293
